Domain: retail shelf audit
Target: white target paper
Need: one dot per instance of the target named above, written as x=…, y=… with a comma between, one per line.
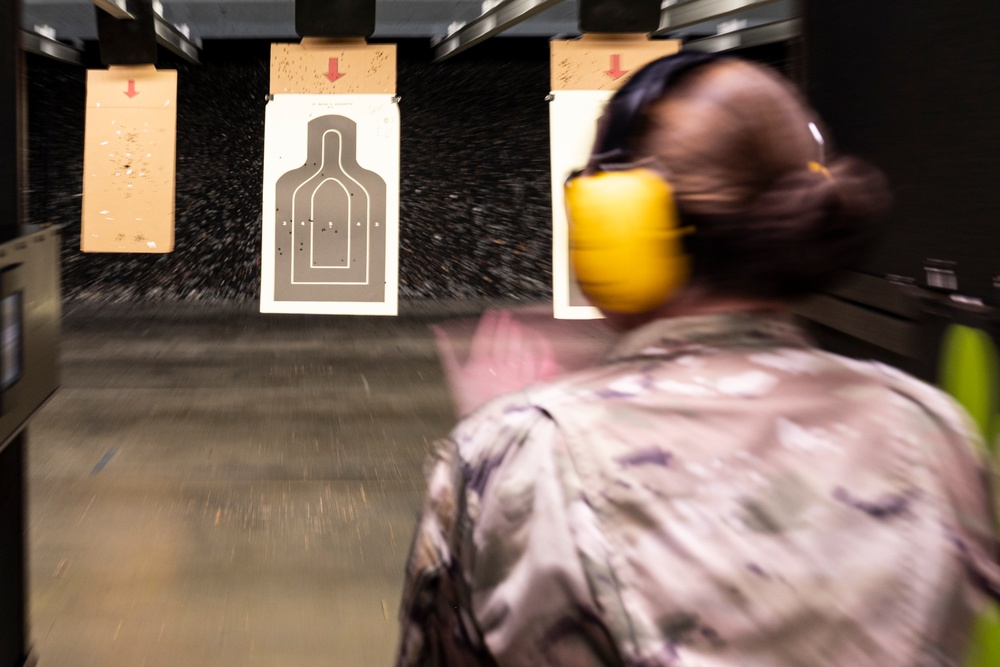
x=330, y=239
x=573, y=116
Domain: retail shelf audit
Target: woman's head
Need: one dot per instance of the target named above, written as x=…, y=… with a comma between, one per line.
x=773, y=218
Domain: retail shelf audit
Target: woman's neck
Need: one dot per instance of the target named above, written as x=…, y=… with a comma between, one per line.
x=694, y=301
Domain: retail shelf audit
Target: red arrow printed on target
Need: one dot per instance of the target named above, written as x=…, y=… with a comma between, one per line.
x=616, y=72
x=333, y=74
x=131, y=92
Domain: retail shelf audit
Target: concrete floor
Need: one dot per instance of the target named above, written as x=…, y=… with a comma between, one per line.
x=212, y=487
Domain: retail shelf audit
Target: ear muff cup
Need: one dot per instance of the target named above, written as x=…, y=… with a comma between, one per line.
x=625, y=240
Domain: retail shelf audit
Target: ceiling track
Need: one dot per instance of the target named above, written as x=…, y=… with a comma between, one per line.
x=41, y=45
x=117, y=8
x=173, y=40
x=494, y=21
x=686, y=14
x=770, y=33
x=167, y=34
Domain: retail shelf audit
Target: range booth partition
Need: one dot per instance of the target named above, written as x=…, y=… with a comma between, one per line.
x=29, y=331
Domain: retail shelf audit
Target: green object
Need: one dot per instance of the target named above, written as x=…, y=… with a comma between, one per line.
x=985, y=648
x=969, y=372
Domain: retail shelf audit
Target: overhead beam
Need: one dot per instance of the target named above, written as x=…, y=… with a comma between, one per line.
x=770, y=33
x=41, y=45
x=172, y=39
x=117, y=8
x=505, y=15
x=682, y=15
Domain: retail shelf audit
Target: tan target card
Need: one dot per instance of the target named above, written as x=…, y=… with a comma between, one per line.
x=603, y=62
x=129, y=160
x=331, y=67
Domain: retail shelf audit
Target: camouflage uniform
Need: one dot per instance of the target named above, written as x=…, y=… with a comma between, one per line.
x=717, y=493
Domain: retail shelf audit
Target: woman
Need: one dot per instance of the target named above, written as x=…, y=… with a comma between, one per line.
x=717, y=491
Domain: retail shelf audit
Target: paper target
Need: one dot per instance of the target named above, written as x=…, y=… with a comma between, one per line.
x=331, y=205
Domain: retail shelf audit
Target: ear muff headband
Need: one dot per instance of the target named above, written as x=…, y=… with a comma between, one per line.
x=626, y=241
x=646, y=86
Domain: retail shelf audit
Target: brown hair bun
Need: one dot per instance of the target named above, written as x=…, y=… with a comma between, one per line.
x=736, y=144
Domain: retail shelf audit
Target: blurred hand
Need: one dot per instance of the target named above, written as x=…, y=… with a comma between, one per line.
x=503, y=357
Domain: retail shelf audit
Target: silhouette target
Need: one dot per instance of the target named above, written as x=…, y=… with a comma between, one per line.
x=330, y=221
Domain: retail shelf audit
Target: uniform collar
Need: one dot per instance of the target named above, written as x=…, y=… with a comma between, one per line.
x=682, y=335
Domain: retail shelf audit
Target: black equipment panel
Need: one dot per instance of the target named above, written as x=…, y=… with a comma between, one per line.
x=619, y=15
x=128, y=41
x=29, y=328
x=335, y=18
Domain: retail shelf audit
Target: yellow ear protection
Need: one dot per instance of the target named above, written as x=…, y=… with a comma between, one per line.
x=625, y=236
